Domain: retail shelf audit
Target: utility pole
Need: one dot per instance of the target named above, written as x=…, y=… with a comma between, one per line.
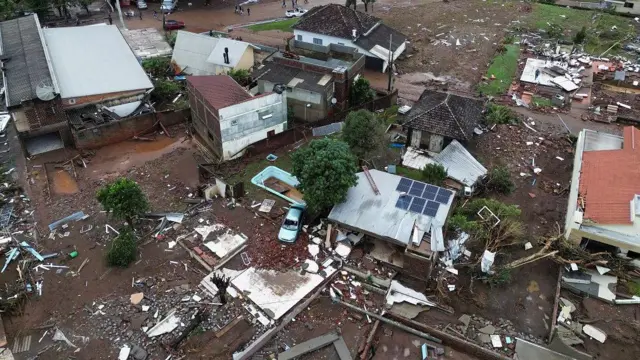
x=390, y=66
x=120, y=14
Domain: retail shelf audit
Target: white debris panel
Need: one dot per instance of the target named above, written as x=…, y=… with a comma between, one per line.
x=399, y=293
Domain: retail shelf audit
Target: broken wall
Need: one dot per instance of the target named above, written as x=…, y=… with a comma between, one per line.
x=117, y=131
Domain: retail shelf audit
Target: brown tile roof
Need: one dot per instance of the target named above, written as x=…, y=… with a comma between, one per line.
x=219, y=90
x=445, y=114
x=609, y=180
x=336, y=20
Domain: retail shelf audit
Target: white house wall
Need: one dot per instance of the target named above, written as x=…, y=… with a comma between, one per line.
x=249, y=121
x=326, y=40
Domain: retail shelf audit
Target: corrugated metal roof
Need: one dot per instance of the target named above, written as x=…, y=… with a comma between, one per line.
x=191, y=52
x=378, y=215
x=460, y=164
x=27, y=64
x=91, y=60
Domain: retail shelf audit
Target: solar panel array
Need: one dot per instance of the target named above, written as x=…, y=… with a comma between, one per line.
x=421, y=198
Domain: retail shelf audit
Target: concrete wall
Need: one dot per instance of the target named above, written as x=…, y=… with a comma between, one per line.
x=619, y=6
x=250, y=121
x=297, y=100
x=326, y=40
x=246, y=61
x=71, y=103
x=117, y=131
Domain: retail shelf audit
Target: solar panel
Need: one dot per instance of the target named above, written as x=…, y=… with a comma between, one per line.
x=417, y=205
x=431, y=208
x=417, y=188
x=430, y=191
x=443, y=196
x=404, y=202
x=404, y=185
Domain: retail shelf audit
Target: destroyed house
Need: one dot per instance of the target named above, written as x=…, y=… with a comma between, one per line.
x=439, y=117
x=315, y=87
x=404, y=219
x=604, y=202
x=337, y=24
x=228, y=119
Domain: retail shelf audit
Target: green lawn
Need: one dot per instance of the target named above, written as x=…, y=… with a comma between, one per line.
x=282, y=25
x=252, y=169
x=409, y=173
x=503, y=67
x=541, y=101
x=601, y=33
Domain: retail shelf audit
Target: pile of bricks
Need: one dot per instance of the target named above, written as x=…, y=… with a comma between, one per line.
x=266, y=252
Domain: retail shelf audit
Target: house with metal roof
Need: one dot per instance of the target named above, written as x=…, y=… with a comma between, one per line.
x=437, y=118
x=406, y=217
x=198, y=54
x=340, y=25
x=604, y=200
x=228, y=119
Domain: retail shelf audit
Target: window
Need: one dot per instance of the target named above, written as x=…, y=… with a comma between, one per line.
x=628, y=5
x=264, y=115
x=317, y=41
x=299, y=37
x=234, y=122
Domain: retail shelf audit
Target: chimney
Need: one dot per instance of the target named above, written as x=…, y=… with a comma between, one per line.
x=354, y=33
x=226, y=56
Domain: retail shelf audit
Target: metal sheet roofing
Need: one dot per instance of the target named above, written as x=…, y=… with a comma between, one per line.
x=378, y=215
x=191, y=52
x=236, y=50
x=91, y=60
x=27, y=65
x=460, y=164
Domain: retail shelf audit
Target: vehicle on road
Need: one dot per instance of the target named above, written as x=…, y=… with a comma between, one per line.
x=141, y=4
x=168, y=6
x=292, y=223
x=297, y=12
x=173, y=25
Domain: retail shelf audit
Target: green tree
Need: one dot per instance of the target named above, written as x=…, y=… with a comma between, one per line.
x=499, y=114
x=581, y=36
x=326, y=170
x=499, y=180
x=123, y=199
x=123, y=250
x=361, y=92
x=164, y=89
x=157, y=67
x=363, y=132
x=348, y=3
x=366, y=4
x=434, y=174
x=241, y=76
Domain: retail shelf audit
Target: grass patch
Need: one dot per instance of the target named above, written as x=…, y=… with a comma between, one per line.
x=540, y=101
x=634, y=288
x=282, y=25
x=252, y=169
x=600, y=35
x=503, y=67
x=409, y=173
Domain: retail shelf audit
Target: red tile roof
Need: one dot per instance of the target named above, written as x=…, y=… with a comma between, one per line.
x=609, y=180
x=219, y=90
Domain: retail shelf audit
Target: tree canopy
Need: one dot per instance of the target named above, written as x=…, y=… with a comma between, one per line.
x=326, y=170
x=360, y=92
x=364, y=133
x=124, y=199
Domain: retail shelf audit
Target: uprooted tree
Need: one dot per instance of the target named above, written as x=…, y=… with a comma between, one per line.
x=326, y=169
x=363, y=132
x=222, y=283
x=123, y=199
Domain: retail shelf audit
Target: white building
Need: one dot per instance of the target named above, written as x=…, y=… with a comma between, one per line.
x=228, y=118
x=337, y=24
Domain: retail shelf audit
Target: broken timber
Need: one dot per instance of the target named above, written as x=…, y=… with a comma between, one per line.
x=318, y=343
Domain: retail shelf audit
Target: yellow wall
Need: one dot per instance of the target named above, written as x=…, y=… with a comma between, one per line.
x=246, y=61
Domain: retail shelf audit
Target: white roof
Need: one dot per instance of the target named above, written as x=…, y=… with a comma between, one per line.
x=91, y=60
x=460, y=164
x=378, y=215
x=236, y=50
x=198, y=54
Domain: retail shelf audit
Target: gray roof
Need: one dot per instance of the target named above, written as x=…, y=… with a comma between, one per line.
x=282, y=74
x=236, y=51
x=598, y=141
x=198, y=54
x=460, y=164
x=380, y=36
x=378, y=216
x=445, y=114
x=92, y=60
x=147, y=43
x=24, y=59
x=335, y=20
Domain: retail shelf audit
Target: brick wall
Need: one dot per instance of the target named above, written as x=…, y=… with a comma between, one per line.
x=117, y=131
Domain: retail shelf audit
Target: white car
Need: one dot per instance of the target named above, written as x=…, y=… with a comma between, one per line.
x=168, y=6
x=142, y=4
x=295, y=13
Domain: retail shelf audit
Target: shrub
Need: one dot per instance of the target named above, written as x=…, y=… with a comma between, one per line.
x=581, y=36
x=555, y=31
x=434, y=174
x=499, y=180
x=499, y=278
x=241, y=76
x=498, y=114
x=123, y=199
x=165, y=89
x=124, y=249
x=157, y=67
x=361, y=92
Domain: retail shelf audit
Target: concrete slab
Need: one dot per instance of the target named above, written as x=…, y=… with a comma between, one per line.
x=399, y=293
x=529, y=351
x=226, y=244
x=277, y=292
x=308, y=346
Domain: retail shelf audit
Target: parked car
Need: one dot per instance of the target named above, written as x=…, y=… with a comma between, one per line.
x=292, y=223
x=173, y=25
x=168, y=6
x=297, y=12
x=141, y=4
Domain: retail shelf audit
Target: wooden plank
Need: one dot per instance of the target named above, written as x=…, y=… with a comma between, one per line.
x=308, y=346
x=342, y=349
x=229, y=326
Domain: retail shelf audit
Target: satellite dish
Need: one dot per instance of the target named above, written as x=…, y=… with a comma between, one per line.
x=45, y=91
